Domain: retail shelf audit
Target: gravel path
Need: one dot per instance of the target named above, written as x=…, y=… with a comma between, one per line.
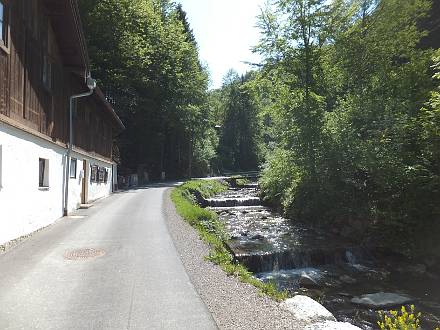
x=233, y=304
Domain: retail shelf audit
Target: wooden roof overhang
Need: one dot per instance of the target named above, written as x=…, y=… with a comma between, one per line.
x=109, y=110
x=66, y=23
x=67, y=26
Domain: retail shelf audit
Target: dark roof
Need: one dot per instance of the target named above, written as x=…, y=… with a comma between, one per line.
x=66, y=23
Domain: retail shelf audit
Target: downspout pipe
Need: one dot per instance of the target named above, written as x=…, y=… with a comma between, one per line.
x=91, y=83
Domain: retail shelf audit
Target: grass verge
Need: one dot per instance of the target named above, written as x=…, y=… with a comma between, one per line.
x=213, y=232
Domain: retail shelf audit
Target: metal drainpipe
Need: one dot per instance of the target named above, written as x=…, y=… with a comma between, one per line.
x=69, y=149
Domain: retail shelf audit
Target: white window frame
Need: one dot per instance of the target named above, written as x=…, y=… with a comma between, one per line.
x=4, y=44
x=44, y=183
x=73, y=166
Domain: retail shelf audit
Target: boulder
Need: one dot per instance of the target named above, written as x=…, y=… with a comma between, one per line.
x=331, y=325
x=382, y=300
x=308, y=282
x=306, y=309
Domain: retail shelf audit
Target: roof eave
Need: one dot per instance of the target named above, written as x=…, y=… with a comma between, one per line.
x=81, y=37
x=109, y=109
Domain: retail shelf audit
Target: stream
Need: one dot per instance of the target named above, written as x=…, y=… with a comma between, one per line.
x=334, y=271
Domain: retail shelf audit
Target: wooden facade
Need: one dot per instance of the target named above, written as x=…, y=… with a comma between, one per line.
x=44, y=63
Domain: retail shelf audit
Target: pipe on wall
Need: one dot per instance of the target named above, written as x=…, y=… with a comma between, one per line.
x=70, y=144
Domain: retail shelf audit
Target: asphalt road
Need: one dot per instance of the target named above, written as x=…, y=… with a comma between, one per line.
x=136, y=282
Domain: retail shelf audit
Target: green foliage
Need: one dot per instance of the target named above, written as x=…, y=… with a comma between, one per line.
x=344, y=112
x=280, y=171
x=206, y=188
x=212, y=231
x=354, y=135
x=428, y=123
x=145, y=57
x=240, y=182
x=400, y=320
x=237, y=113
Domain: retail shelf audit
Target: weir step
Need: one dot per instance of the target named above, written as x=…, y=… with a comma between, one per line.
x=290, y=259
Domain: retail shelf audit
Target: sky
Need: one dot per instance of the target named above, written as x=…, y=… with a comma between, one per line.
x=225, y=32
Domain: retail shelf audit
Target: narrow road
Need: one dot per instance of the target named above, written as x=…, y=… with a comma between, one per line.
x=138, y=283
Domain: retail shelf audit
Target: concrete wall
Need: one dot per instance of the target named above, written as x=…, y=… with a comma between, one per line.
x=24, y=206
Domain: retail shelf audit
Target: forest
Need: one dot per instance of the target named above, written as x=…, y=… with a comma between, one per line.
x=342, y=116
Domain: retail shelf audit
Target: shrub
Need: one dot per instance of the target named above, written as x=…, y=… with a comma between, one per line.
x=403, y=320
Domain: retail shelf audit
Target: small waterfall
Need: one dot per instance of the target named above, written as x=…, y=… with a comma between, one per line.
x=234, y=202
x=351, y=258
x=251, y=186
x=298, y=257
x=289, y=259
x=358, y=258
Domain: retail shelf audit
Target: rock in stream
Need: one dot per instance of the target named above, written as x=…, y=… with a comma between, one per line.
x=382, y=300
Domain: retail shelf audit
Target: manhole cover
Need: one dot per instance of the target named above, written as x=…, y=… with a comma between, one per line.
x=83, y=254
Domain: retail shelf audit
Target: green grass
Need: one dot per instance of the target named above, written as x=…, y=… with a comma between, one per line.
x=240, y=181
x=213, y=232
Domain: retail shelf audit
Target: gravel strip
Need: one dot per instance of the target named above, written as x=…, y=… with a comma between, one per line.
x=233, y=304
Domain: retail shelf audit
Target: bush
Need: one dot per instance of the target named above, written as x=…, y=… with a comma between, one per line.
x=403, y=320
x=280, y=178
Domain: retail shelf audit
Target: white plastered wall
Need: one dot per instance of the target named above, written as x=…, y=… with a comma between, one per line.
x=24, y=207
x=94, y=190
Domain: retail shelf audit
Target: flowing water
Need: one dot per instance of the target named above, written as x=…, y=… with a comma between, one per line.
x=324, y=266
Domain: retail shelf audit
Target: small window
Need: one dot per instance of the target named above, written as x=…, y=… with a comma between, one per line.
x=4, y=24
x=93, y=173
x=43, y=173
x=101, y=175
x=73, y=166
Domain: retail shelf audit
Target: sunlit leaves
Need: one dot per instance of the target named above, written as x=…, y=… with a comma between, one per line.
x=146, y=60
x=346, y=81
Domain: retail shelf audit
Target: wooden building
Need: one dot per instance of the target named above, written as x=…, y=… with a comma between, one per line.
x=44, y=61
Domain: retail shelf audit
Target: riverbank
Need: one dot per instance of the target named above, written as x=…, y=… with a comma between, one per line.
x=339, y=273
x=233, y=303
